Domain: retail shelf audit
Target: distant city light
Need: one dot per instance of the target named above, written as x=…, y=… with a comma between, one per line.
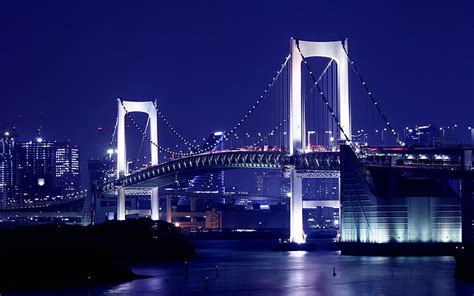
x=7, y=133
x=110, y=152
x=218, y=133
x=40, y=181
x=39, y=140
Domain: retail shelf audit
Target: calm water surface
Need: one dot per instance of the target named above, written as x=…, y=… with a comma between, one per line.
x=249, y=268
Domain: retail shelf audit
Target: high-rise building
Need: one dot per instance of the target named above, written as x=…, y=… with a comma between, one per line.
x=261, y=180
x=212, y=182
x=430, y=136
x=321, y=189
x=7, y=168
x=101, y=171
x=45, y=171
x=66, y=168
x=271, y=183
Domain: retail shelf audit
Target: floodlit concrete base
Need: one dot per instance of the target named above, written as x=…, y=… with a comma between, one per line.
x=296, y=209
x=293, y=246
x=168, y=209
x=398, y=249
x=121, y=204
x=155, y=207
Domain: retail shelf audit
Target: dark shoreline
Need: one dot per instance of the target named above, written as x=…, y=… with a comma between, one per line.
x=70, y=256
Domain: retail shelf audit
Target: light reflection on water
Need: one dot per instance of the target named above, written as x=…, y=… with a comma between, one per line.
x=249, y=268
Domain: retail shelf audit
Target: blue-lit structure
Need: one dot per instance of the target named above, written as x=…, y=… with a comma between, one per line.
x=406, y=196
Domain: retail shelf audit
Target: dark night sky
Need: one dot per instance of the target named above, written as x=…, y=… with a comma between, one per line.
x=207, y=61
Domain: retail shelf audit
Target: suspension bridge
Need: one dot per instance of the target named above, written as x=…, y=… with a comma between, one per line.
x=298, y=102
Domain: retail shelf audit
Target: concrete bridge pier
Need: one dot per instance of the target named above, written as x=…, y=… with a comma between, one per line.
x=296, y=208
x=193, y=206
x=168, y=209
x=467, y=185
x=121, y=204
x=155, y=206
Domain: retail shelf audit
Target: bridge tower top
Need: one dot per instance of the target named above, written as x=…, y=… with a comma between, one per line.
x=333, y=50
x=125, y=107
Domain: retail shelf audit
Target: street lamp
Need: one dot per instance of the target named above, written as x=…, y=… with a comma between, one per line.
x=471, y=129
x=331, y=138
x=381, y=132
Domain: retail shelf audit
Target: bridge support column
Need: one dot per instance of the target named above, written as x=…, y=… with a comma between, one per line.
x=296, y=208
x=466, y=209
x=121, y=204
x=155, y=204
x=168, y=209
x=467, y=185
x=193, y=205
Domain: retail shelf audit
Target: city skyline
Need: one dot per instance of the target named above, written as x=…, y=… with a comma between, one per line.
x=237, y=147
x=148, y=52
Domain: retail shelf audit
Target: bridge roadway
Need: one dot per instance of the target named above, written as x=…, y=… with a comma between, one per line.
x=314, y=164
x=319, y=164
x=188, y=167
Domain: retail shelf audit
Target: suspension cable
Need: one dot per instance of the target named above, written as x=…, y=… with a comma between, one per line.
x=143, y=138
x=270, y=133
x=330, y=109
x=173, y=130
x=227, y=134
x=160, y=148
x=371, y=96
x=114, y=132
x=251, y=110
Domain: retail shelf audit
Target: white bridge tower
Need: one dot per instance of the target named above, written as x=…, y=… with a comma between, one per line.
x=149, y=108
x=333, y=50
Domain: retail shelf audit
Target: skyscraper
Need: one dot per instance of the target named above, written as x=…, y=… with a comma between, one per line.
x=211, y=182
x=45, y=171
x=270, y=183
x=7, y=168
x=321, y=189
x=66, y=168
